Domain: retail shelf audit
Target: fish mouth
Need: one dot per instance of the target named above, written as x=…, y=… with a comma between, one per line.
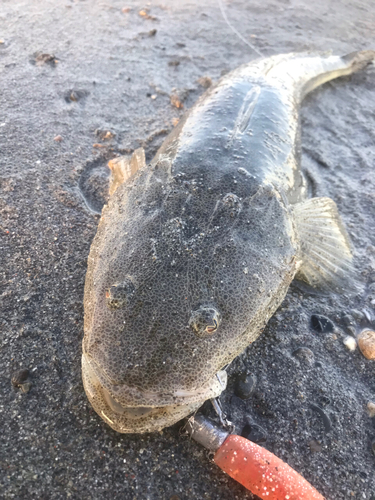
x=149, y=411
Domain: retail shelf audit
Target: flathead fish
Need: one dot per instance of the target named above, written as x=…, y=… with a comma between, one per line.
x=195, y=251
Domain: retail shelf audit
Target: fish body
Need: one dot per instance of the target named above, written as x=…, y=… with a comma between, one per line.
x=195, y=252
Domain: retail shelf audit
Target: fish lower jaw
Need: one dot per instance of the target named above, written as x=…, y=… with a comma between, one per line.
x=156, y=419
x=138, y=419
x=130, y=418
x=127, y=396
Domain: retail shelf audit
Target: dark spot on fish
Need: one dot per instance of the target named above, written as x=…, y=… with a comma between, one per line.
x=231, y=200
x=321, y=324
x=233, y=203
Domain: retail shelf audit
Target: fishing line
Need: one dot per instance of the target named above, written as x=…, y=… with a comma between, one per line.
x=237, y=32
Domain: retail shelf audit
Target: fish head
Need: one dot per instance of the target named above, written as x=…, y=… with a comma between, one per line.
x=177, y=286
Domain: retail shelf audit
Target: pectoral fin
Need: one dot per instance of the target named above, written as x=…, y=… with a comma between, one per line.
x=124, y=167
x=325, y=251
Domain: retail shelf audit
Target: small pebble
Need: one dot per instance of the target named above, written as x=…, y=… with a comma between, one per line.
x=348, y=320
x=245, y=386
x=254, y=433
x=350, y=343
x=366, y=342
x=321, y=323
x=108, y=135
x=205, y=81
x=58, y=138
x=324, y=401
x=19, y=377
x=357, y=314
x=331, y=337
x=304, y=354
x=371, y=409
x=351, y=330
x=326, y=420
x=73, y=96
x=367, y=315
x=40, y=59
x=145, y=14
x=176, y=101
x=104, y=135
x=25, y=387
x=315, y=446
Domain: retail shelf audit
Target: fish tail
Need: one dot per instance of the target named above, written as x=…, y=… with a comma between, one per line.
x=304, y=72
x=359, y=60
x=332, y=67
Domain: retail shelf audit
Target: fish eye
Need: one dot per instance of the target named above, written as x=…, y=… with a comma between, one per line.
x=118, y=295
x=205, y=321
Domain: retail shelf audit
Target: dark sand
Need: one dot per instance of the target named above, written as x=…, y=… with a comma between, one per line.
x=52, y=444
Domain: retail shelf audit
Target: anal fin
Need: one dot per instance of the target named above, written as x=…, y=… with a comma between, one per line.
x=325, y=250
x=125, y=167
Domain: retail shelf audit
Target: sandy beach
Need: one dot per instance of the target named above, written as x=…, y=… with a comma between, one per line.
x=82, y=82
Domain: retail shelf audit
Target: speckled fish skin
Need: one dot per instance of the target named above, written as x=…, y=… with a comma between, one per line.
x=202, y=246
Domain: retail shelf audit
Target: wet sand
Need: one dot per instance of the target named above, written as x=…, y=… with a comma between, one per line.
x=71, y=72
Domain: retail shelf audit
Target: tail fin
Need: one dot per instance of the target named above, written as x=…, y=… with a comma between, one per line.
x=305, y=72
x=334, y=67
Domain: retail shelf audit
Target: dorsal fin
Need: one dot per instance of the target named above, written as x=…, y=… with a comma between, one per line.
x=125, y=167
